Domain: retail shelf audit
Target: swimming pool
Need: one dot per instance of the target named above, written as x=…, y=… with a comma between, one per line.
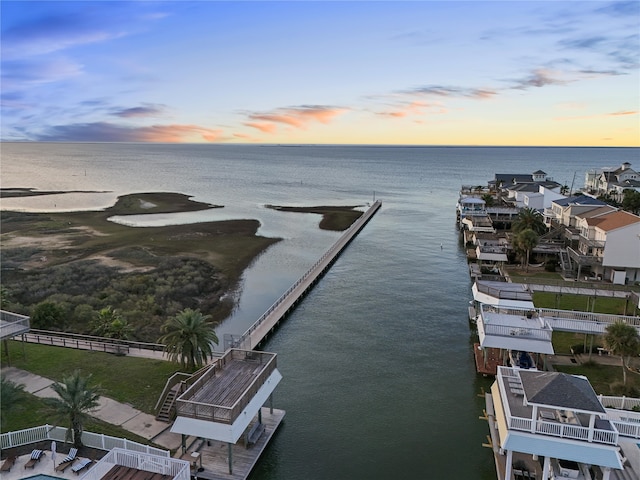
x=42, y=476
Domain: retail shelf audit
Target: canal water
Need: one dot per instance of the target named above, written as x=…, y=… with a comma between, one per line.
x=379, y=380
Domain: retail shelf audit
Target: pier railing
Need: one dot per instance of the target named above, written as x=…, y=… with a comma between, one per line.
x=87, y=342
x=325, y=259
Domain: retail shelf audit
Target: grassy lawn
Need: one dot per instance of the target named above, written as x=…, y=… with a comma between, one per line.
x=585, y=303
x=134, y=381
x=535, y=276
x=33, y=412
x=603, y=378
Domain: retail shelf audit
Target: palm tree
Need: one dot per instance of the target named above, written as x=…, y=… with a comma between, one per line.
x=622, y=339
x=489, y=201
x=526, y=241
x=11, y=393
x=188, y=338
x=529, y=218
x=77, y=398
x=110, y=324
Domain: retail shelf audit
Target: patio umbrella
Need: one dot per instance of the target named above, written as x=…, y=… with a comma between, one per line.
x=53, y=453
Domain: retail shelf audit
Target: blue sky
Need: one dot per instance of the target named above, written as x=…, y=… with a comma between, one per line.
x=373, y=72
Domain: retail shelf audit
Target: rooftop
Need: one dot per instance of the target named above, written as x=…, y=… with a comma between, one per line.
x=223, y=392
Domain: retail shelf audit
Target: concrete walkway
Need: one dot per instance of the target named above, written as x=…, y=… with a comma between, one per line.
x=109, y=410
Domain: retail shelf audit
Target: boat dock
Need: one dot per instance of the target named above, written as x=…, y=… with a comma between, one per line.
x=257, y=332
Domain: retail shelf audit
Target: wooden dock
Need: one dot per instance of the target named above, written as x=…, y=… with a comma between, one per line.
x=214, y=454
x=270, y=319
x=489, y=365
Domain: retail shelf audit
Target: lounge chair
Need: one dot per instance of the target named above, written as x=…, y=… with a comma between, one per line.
x=8, y=463
x=67, y=461
x=62, y=466
x=81, y=465
x=72, y=455
x=36, y=455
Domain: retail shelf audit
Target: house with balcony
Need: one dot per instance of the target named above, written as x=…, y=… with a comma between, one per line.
x=551, y=424
x=611, y=179
x=226, y=407
x=534, y=195
x=564, y=211
x=609, y=244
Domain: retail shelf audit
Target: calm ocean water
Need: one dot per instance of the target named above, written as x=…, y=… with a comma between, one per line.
x=379, y=380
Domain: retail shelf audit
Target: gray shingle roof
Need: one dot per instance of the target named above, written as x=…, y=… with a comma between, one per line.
x=560, y=390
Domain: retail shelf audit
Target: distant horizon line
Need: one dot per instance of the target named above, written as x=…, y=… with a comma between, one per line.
x=407, y=145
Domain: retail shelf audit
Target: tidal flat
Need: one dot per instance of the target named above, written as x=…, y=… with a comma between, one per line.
x=84, y=262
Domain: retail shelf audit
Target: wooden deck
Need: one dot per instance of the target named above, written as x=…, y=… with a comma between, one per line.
x=230, y=383
x=215, y=455
x=490, y=367
x=120, y=472
x=227, y=387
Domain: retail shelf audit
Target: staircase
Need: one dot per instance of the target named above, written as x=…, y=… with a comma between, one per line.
x=553, y=233
x=167, y=411
x=565, y=263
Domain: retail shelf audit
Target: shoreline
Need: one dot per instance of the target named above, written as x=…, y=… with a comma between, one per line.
x=90, y=262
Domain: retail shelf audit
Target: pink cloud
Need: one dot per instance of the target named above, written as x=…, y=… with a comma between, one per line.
x=414, y=108
x=176, y=133
x=110, y=132
x=297, y=117
x=263, y=126
x=627, y=112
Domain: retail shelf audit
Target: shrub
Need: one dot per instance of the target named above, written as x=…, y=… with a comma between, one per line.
x=619, y=389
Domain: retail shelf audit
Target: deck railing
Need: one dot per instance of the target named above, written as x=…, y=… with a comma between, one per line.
x=87, y=342
x=622, y=403
x=520, y=332
x=506, y=294
x=217, y=413
x=93, y=440
x=12, y=324
x=173, y=467
x=607, y=436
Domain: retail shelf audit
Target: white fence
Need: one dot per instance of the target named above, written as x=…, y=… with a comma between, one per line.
x=93, y=440
x=175, y=468
x=622, y=403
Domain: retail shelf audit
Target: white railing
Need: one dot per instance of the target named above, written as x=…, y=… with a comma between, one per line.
x=589, y=316
x=556, y=429
x=520, y=332
x=173, y=467
x=12, y=324
x=89, y=439
x=622, y=403
x=620, y=412
x=564, y=430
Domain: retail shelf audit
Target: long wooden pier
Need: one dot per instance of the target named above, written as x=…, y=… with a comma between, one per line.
x=257, y=332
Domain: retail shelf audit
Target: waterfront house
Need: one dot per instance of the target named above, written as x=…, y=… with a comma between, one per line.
x=609, y=244
x=611, y=179
x=553, y=419
x=506, y=180
x=226, y=404
x=563, y=211
x=534, y=195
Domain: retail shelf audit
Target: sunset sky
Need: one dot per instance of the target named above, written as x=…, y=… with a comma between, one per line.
x=363, y=72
